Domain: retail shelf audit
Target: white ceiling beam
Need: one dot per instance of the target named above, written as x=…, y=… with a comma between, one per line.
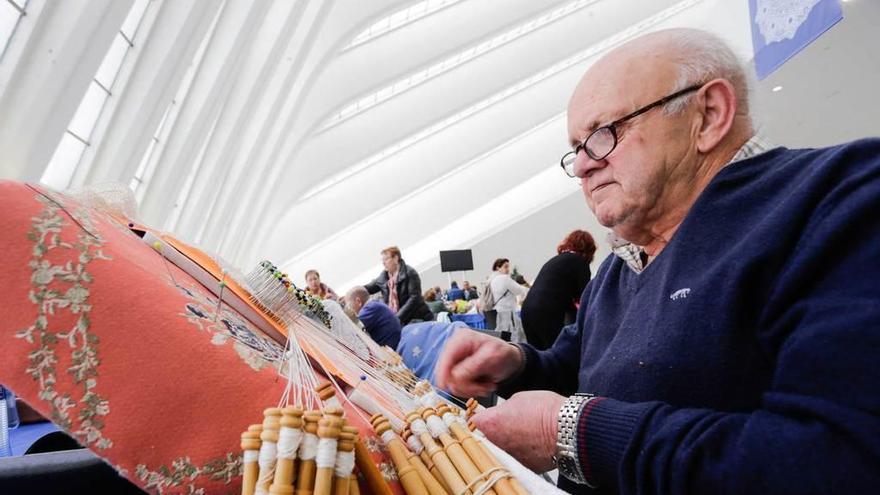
x=47, y=68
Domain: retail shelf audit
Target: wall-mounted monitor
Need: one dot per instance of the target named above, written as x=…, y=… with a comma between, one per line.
x=459, y=260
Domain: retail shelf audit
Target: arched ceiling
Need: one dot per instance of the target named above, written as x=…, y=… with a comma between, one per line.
x=316, y=132
x=483, y=117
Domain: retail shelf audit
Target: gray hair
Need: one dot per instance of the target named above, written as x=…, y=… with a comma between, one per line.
x=359, y=292
x=704, y=56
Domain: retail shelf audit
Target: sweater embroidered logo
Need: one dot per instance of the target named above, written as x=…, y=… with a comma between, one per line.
x=680, y=294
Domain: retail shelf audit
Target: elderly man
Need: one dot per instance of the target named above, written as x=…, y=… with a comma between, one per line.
x=379, y=321
x=731, y=345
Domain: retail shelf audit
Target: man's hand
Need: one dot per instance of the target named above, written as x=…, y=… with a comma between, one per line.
x=472, y=363
x=524, y=426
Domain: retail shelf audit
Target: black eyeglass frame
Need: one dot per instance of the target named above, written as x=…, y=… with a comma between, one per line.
x=612, y=127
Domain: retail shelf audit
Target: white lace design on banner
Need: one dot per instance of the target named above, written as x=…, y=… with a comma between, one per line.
x=780, y=19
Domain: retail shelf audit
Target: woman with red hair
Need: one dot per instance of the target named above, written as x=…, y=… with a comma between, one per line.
x=551, y=302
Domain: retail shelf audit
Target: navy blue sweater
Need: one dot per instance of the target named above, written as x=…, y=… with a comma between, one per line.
x=746, y=357
x=381, y=323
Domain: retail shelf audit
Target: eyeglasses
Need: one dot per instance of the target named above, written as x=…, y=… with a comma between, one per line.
x=601, y=142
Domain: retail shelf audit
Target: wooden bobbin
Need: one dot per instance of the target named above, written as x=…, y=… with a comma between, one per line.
x=480, y=456
x=250, y=442
x=285, y=469
x=454, y=481
x=426, y=461
x=434, y=486
x=459, y=457
x=327, y=393
x=329, y=428
x=269, y=436
x=345, y=446
x=334, y=411
x=353, y=487
x=372, y=478
x=305, y=478
x=409, y=478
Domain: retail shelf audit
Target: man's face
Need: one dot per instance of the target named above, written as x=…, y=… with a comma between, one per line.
x=627, y=188
x=390, y=262
x=354, y=303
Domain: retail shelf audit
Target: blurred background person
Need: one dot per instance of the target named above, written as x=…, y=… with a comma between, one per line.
x=505, y=291
x=454, y=293
x=315, y=287
x=552, y=301
x=401, y=288
x=470, y=292
x=435, y=304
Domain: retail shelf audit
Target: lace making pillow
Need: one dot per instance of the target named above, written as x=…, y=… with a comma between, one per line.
x=125, y=352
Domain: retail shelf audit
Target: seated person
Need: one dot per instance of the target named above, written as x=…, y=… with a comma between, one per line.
x=454, y=293
x=470, y=292
x=319, y=289
x=434, y=304
x=421, y=344
x=379, y=321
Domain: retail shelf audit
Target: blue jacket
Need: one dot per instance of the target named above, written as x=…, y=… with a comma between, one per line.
x=746, y=357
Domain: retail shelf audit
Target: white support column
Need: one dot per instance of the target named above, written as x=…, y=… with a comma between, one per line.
x=218, y=185
x=262, y=116
x=218, y=73
x=149, y=81
x=52, y=58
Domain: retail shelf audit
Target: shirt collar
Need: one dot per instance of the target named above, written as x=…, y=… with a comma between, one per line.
x=633, y=255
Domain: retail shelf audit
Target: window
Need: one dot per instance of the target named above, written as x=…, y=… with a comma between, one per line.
x=73, y=144
x=11, y=12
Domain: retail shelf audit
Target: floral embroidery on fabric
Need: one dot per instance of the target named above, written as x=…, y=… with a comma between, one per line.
x=255, y=349
x=182, y=472
x=388, y=471
x=65, y=287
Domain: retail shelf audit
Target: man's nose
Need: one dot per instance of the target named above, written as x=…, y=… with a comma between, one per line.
x=584, y=165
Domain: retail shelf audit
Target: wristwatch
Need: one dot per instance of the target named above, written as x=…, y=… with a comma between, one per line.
x=566, y=458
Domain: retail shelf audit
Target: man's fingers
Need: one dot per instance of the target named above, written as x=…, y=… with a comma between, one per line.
x=456, y=349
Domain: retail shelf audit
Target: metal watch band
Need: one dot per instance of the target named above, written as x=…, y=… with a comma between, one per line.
x=567, y=460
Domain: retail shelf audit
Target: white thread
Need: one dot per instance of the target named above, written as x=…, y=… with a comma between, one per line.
x=418, y=427
x=415, y=444
x=332, y=401
x=344, y=464
x=267, y=467
x=251, y=456
x=497, y=473
x=309, y=447
x=288, y=442
x=267, y=454
x=450, y=418
x=527, y=478
x=387, y=436
x=364, y=401
x=326, y=457
x=436, y=426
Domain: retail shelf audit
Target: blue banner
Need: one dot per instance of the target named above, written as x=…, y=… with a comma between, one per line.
x=781, y=28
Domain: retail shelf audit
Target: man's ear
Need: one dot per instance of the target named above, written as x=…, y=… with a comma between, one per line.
x=717, y=105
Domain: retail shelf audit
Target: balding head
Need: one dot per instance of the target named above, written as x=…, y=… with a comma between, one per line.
x=356, y=297
x=664, y=157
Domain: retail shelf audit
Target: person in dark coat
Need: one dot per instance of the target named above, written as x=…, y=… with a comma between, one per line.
x=551, y=303
x=401, y=288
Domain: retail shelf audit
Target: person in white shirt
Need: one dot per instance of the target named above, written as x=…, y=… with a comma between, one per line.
x=505, y=291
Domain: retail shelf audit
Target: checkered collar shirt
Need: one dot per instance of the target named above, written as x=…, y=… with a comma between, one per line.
x=634, y=256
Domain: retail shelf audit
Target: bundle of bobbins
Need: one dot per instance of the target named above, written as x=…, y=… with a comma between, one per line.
x=439, y=455
x=280, y=299
x=299, y=452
